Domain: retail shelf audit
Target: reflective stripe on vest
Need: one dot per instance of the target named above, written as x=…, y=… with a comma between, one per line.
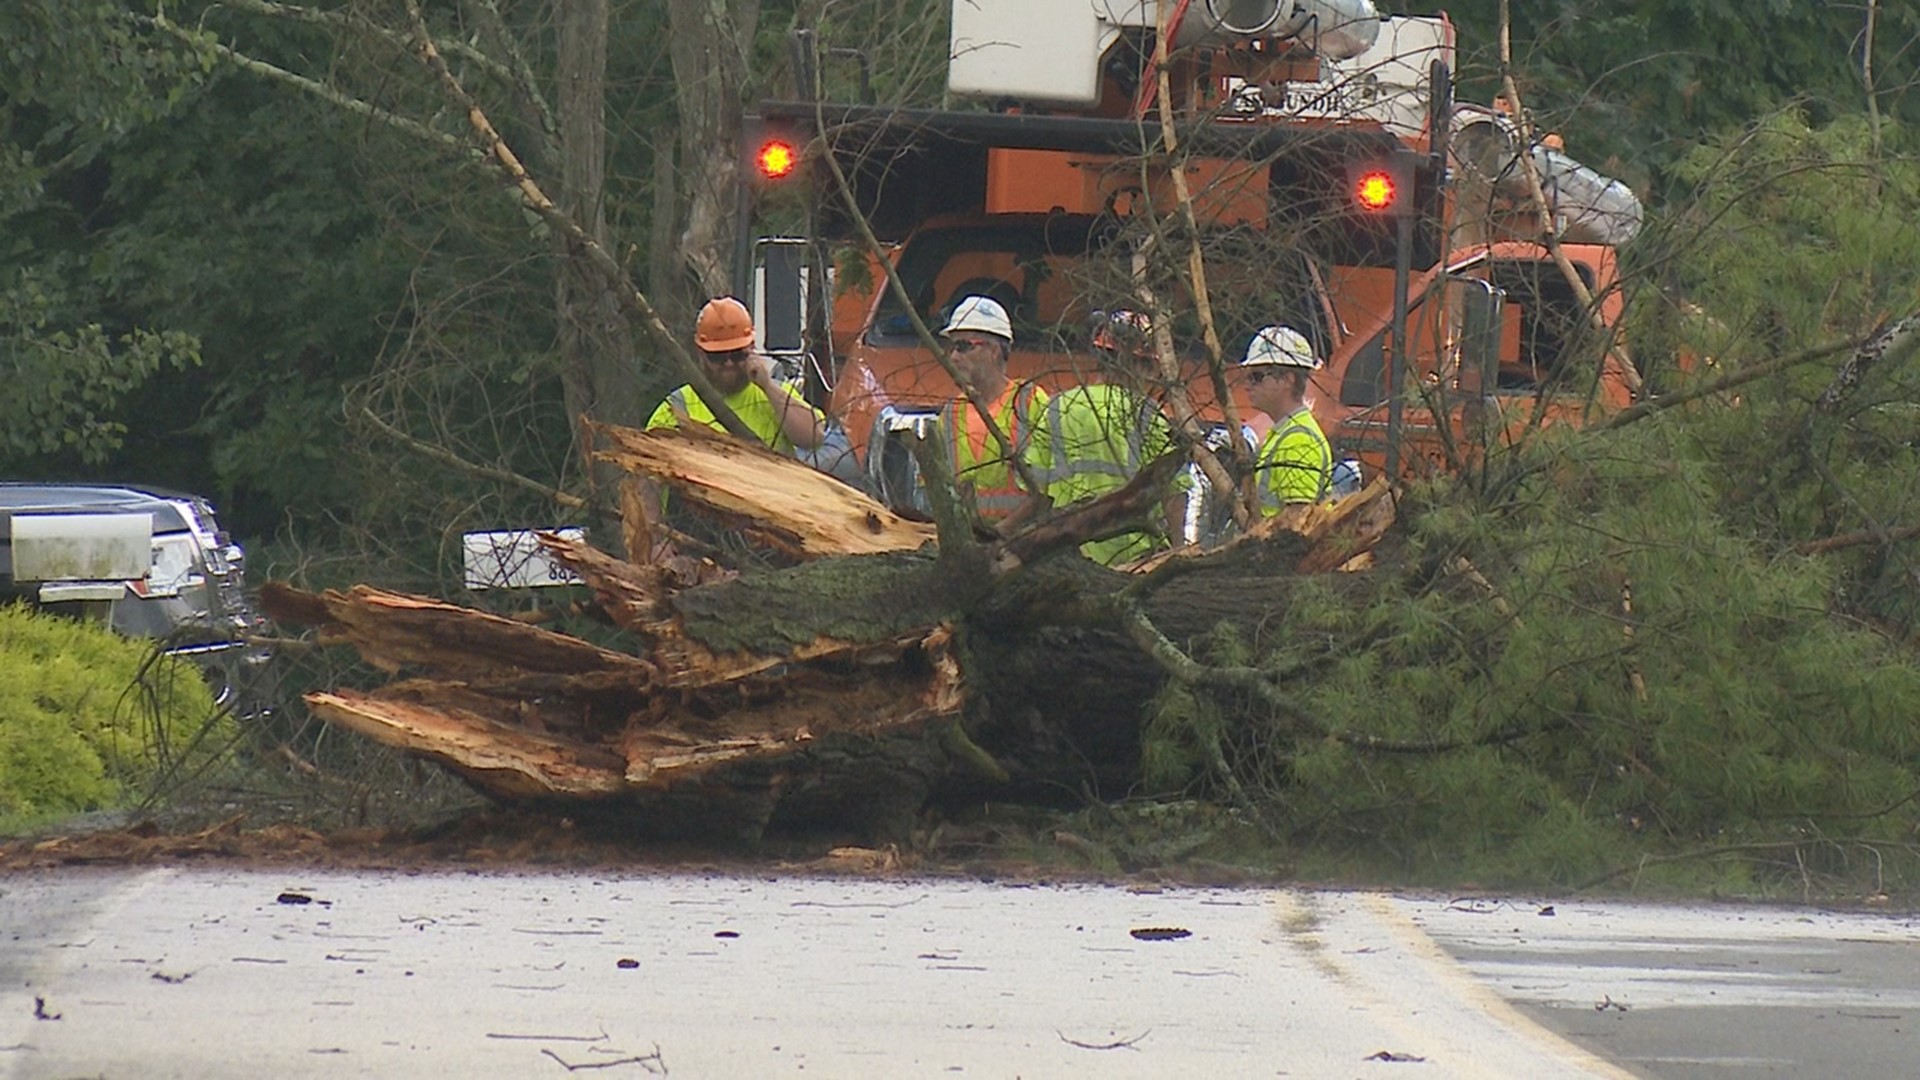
x=1096, y=466
x=998, y=500
x=1270, y=499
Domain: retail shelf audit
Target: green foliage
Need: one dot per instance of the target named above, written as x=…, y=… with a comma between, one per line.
x=70, y=383
x=84, y=721
x=1634, y=85
x=1846, y=210
x=1550, y=761
x=1847, y=215
x=1619, y=646
x=74, y=75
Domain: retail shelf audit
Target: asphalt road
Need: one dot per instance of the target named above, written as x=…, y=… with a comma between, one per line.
x=214, y=973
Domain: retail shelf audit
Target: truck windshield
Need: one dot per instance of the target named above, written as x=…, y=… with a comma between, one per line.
x=1054, y=272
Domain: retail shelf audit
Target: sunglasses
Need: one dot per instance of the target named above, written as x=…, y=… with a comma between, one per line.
x=1257, y=376
x=732, y=356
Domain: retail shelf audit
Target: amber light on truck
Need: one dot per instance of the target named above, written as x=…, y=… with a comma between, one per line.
x=776, y=159
x=1375, y=191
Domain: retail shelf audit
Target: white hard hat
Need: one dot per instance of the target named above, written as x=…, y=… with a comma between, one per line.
x=980, y=313
x=1281, y=346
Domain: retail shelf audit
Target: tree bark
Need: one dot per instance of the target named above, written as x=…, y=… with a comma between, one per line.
x=712, y=40
x=598, y=373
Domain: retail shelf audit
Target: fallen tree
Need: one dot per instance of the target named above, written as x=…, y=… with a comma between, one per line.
x=888, y=664
x=1580, y=657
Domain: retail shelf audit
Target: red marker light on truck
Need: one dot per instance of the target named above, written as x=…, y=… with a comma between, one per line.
x=1375, y=191
x=776, y=159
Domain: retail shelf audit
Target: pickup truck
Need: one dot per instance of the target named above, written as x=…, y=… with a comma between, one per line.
x=148, y=562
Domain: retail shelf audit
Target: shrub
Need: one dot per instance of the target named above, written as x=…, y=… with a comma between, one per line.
x=85, y=720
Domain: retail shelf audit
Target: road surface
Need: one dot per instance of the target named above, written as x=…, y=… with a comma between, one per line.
x=216, y=972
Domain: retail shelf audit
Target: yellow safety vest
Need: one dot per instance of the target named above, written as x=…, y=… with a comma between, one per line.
x=1294, y=463
x=1102, y=436
x=749, y=403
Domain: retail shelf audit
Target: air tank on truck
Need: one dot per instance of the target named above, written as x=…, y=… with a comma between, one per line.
x=1319, y=166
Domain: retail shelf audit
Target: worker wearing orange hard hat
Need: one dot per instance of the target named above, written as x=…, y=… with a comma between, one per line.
x=773, y=411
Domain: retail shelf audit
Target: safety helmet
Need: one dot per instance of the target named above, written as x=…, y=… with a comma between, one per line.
x=723, y=326
x=1123, y=331
x=1280, y=346
x=980, y=313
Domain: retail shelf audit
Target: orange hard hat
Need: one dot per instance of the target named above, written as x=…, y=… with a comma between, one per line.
x=723, y=326
x=1123, y=331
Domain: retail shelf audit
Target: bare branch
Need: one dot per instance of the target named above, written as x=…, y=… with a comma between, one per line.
x=309, y=86
x=899, y=290
x=536, y=200
x=486, y=472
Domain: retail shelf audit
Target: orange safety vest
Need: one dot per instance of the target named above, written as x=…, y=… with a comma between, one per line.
x=975, y=457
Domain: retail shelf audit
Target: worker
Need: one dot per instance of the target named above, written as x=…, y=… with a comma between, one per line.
x=1294, y=463
x=775, y=413
x=1104, y=433
x=979, y=337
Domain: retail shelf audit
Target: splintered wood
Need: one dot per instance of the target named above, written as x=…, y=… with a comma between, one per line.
x=524, y=712
x=788, y=505
x=1335, y=535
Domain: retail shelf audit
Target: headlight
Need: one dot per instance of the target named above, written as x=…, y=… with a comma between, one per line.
x=175, y=565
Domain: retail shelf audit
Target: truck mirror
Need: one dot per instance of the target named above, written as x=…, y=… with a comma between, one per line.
x=780, y=284
x=1481, y=308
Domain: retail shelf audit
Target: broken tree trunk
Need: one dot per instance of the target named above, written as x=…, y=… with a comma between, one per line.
x=847, y=690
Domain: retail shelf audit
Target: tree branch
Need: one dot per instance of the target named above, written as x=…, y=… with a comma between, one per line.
x=899, y=290
x=318, y=89
x=631, y=298
x=1538, y=196
x=485, y=472
x=1862, y=538
x=1640, y=410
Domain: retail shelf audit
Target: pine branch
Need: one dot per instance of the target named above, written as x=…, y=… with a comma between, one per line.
x=1644, y=408
x=1827, y=545
x=1267, y=688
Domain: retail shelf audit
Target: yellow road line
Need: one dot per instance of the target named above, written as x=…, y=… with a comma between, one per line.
x=1471, y=990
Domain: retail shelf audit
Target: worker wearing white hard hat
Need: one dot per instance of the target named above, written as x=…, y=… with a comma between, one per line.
x=979, y=337
x=1294, y=463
